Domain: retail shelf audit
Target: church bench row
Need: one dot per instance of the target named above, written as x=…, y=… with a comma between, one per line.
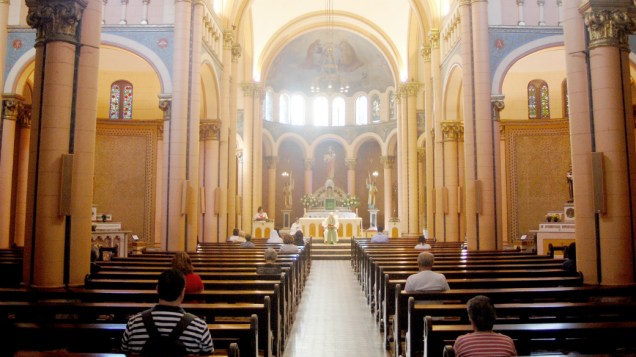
x=44, y=312
x=590, y=338
x=583, y=293
x=514, y=313
x=11, y=267
x=232, y=351
x=105, y=337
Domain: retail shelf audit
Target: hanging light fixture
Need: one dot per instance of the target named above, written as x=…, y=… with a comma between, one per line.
x=329, y=79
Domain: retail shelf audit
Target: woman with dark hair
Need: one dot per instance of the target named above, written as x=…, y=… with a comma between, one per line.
x=299, y=240
x=182, y=262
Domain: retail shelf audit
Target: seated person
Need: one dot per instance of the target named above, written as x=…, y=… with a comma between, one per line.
x=260, y=215
x=182, y=262
x=236, y=237
x=569, y=254
x=270, y=266
x=295, y=227
x=421, y=243
x=248, y=242
x=288, y=245
x=299, y=240
x=426, y=279
x=274, y=237
x=195, y=335
x=483, y=341
x=380, y=237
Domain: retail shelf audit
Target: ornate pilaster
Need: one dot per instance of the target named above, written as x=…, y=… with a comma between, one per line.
x=309, y=164
x=498, y=105
x=252, y=89
x=452, y=130
x=408, y=89
x=433, y=37
x=351, y=163
x=228, y=40
x=165, y=101
x=11, y=107
x=387, y=161
x=55, y=20
x=610, y=27
x=426, y=53
x=209, y=129
x=236, y=52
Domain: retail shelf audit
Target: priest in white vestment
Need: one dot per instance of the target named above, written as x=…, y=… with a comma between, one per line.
x=331, y=224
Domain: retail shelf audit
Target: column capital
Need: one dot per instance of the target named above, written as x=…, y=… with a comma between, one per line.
x=239, y=155
x=433, y=37
x=252, y=89
x=464, y=2
x=236, y=52
x=351, y=163
x=11, y=106
x=540, y=2
x=309, y=164
x=387, y=161
x=498, y=104
x=409, y=89
x=228, y=40
x=452, y=130
x=55, y=20
x=160, y=130
x=209, y=129
x=425, y=51
x=165, y=100
x=610, y=26
x=271, y=162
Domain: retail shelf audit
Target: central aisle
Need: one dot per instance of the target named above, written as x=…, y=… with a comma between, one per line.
x=333, y=318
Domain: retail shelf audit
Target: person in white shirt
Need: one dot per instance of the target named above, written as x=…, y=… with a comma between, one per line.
x=426, y=279
x=260, y=215
x=236, y=237
x=421, y=243
x=274, y=237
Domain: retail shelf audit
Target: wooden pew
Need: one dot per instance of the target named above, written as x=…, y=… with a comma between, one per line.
x=513, y=313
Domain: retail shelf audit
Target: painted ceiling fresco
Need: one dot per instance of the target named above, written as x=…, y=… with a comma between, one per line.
x=321, y=57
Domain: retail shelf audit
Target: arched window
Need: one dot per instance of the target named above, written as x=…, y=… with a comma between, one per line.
x=375, y=109
x=361, y=111
x=391, y=105
x=566, y=98
x=538, y=100
x=321, y=111
x=269, y=105
x=338, y=112
x=121, y=99
x=283, y=109
x=297, y=110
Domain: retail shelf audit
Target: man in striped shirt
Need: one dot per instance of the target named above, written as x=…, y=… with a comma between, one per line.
x=483, y=341
x=166, y=315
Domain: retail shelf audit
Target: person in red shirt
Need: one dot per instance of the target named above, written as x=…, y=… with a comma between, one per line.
x=182, y=262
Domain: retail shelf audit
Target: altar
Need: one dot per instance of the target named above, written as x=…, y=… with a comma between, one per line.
x=350, y=224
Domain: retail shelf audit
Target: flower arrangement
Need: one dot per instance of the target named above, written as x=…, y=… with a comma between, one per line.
x=309, y=201
x=351, y=202
x=552, y=217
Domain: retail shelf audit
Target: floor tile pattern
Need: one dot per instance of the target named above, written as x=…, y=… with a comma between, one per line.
x=333, y=318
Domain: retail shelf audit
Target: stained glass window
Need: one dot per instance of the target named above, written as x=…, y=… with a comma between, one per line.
x=361, y=111
x=121, y=100
x=375, y=109
x=538, y=100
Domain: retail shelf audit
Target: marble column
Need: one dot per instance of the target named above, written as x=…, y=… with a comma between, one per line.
x=497, y=105
x=165, y=101
x=451, y=130
x=429, y=144
x=59, y=200
x=11, y=107
x=609, y=26
x=438, y=150
x=272, y=164
x=252, y=151
x=520, y=4
x=224, y=136
x=421, y=183
x=387, y=163
x=232, y=149
x=24, y=119
x=209, y=136
x=410, y=90
x=402, y=180
x=309, y=174
x=351, y=175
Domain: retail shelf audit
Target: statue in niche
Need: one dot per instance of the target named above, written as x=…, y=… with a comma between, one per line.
x=570, y=179
x=330, y=160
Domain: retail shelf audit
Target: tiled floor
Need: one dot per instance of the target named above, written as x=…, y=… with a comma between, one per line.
x=333, y=318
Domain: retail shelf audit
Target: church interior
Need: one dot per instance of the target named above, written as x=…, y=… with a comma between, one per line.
x=493, y=128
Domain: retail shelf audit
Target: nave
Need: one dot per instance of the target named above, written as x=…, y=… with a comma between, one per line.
x=333, y=317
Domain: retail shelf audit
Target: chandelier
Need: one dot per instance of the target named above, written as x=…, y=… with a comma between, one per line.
x=328, y=78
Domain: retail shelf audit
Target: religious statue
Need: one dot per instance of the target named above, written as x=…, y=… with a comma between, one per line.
x=570, y=179
x=373, y=189
x=331, y=224
x=288, y=190
x=330, y=160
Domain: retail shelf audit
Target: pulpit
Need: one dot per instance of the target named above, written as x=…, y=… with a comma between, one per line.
x=262, y=228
